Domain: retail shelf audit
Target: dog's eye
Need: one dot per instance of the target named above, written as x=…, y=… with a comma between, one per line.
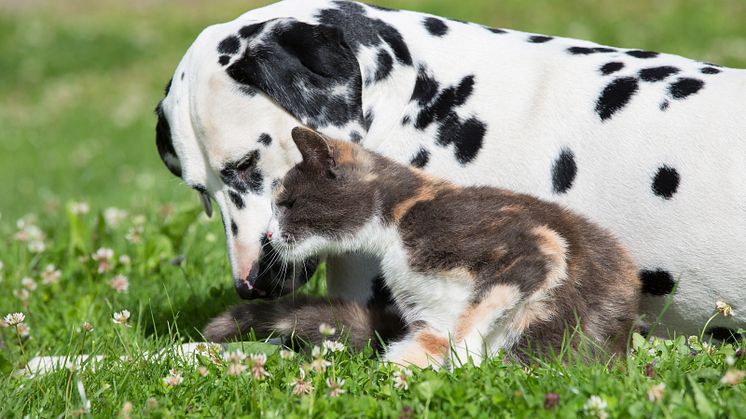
x=248, y=162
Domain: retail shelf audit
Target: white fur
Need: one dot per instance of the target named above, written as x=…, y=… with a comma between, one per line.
x=535, y=99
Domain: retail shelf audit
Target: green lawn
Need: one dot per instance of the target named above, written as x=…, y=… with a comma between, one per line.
x=78, y=82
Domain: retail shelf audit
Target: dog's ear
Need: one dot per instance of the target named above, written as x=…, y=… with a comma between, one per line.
x=316, y=150
x=307, y=69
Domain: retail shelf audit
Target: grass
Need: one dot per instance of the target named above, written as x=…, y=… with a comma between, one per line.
x=79, y=81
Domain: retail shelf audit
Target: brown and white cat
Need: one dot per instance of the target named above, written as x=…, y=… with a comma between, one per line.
x=474, y=270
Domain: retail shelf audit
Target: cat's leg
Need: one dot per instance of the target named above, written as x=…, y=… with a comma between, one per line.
x=477, y=322
x=422, y=347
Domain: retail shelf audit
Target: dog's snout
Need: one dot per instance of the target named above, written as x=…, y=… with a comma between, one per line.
x=245, y=286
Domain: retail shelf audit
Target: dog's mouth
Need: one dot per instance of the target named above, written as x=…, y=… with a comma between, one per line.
x=271, y=277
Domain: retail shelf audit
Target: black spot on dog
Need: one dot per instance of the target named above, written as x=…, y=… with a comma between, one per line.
x=406, y=120
x=615, y=96
x=724, y=334
x=250, y=31
x=362, y=30
x=539, y=39
x=657, y=282
x=164, y=142
x=224, y=60
x=444, y=104
x=589, y=50
x=611, y=67
x=435, y=26
x=355, y=137
x=302, y=68
x=666, y=182
x=709, y=70
x=234, y=228
x=421, y=159
x=654, y=74
x=638, y=53
x=685, y=87
x=368, y=119
x=237, y=200
x=425, y=87
x=381, y=8
x=182, y=75
x=664, y=105
x=168, y=87
x=564, y=171
x=229, y=45
x=265, y=139
x=385, y=65
x=244, y=175
x=497, y=30
x=466, y=136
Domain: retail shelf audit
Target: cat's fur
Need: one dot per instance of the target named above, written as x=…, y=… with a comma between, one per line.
x=474, y=270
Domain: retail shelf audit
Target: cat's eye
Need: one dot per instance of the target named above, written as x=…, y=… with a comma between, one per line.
x=286, y=203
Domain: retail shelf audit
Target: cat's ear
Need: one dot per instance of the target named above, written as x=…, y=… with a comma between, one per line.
x=314, y=148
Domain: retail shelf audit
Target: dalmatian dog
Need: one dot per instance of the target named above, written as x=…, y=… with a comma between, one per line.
x=649, y=145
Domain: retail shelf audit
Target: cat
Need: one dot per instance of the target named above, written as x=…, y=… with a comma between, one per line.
x=474, y=270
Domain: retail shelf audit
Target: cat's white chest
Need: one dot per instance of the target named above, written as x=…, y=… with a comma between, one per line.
x=438, y=299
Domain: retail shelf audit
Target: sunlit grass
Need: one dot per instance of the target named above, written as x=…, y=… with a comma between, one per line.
x=79, y=80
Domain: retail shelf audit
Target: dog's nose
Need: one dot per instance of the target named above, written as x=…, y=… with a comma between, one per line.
x=245, y=286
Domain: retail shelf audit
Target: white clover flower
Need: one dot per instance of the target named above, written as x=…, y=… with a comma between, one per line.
x=173, y=379
x=114, y=216
x=335, y=387
x=317, y=352
x=286, y=354
x=596, y=407
x=28, y=283
x=87, y=327
x=80, y=208
x=122, y=318
x=37, y=246
x=203, y=372
x=300, y=385
x=724, y=308
x=134, y=235
x=103, y=257
x=13, y=319
x=50, y=275
x=333, y=346
x=124, y=260
x=733, y=377
x=71, y=366
x=236, y=369
x=22, y=329
x=655, y=392
x=120, y=283
x=236, y=357
x=401, y=378
x=319, y=365
x=127, y=409
x=22, y=294
x=326, y=329
x=730, y=360
x=257, y=369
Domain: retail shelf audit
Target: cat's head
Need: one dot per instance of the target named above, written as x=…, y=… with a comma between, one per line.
x=325, y=200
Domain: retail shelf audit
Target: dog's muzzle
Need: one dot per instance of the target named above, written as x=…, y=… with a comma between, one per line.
x=272, y=278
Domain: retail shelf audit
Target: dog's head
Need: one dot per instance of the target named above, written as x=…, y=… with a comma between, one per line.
x=224, y=125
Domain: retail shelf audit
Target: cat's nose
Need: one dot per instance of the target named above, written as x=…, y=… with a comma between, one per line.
x=269, y=235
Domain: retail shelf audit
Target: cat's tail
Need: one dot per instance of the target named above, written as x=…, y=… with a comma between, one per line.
x=299, y=317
